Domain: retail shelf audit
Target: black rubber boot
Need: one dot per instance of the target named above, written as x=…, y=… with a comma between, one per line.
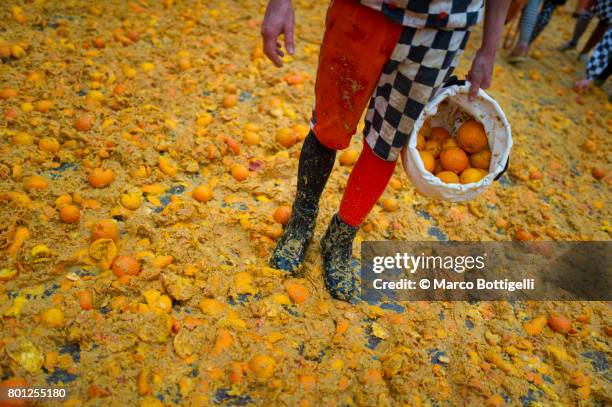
x=291, y=247
x=337, y=250
x=316, y=163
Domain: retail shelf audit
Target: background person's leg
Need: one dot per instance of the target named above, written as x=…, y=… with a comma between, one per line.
x=581, y=25
x=526, y=27
x=595, y=37
x=528, y=20
x=548, y=8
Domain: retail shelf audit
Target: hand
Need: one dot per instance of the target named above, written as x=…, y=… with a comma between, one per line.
x=278, y=20
x=481, y=72
x=581, y=85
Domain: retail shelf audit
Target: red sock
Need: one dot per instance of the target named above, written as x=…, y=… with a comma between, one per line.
x=365, y=185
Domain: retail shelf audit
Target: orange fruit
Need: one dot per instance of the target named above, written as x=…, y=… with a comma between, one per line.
x=440, y=134
x=559, y=323
x=471, y=137
x=99, y=178
x=239, y=172
x=7, y=93
x=307, y=380
x=43, y=106
x=201, y=193
x=85, y=299
x=286, y=137
x=49, y=144
x=119, y=89
x=395, y=183
x=434, y=147
x=420, y=142
x=425, y=130
x=11, y=115
x=52, y=317
x=230, y=101
x=99, y=43
x=105, y=229
x=131, y=200
x=273, y=231
x=448, y=177
x=523, y=235
x=449, y=142
x=184, y=64
x=535, y=174
x=301, y=131
x=481, y=159
x=297, y=292
x=70, y=214
x=11, y=383
x=454, y=159
x=348, y=157
x=390, y=204
x=133, y=35
x=7, y=274
x=262, y=366
x=429, y=162
x=590, y=146
x=84, y=122
x=282, y=214
x=438, y=168
x=23, y=138
x=36, y=182
x=471, y=175
x=125, y=266
x=598, y=173
x=251, y=138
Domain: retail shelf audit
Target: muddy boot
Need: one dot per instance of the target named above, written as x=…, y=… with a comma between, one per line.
x=291, y=247
x=337, y=250
x=316, y=163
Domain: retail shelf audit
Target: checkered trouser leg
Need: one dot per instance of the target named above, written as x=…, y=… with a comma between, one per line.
x=548, y=8
x=421, y=62
x=601, y=57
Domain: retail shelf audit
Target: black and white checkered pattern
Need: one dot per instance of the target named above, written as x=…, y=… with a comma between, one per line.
x=421, y=62
x=603, y=10
x=430, y=13
x=601, y=57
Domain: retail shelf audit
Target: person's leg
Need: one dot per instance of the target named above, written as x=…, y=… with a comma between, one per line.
x=345, y=80
x=599, y=62
x=527, y=24
x=365, y=185
x=315, y=166
x=604, y=75
x=581, y=25
x=548, y=8
x=595, y=37
x=421, y=62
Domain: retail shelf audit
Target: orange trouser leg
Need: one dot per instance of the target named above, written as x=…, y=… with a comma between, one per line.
x=358, y=41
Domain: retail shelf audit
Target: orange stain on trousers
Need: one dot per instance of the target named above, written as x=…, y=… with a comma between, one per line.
x=357, y=43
